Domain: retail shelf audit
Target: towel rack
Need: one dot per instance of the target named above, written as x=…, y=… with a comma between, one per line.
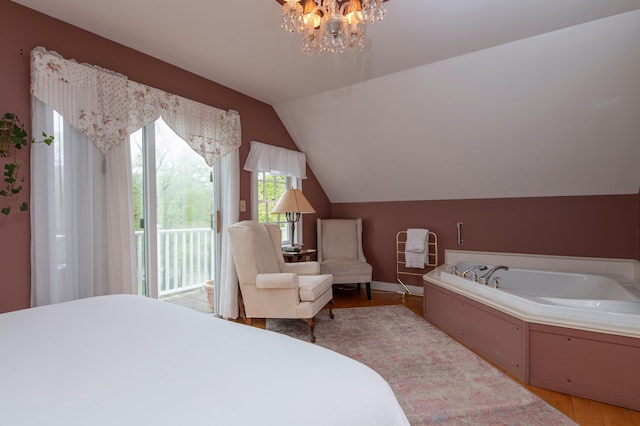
x=402, y=270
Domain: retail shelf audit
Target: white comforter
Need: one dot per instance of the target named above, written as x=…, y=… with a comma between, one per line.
x=128, y=360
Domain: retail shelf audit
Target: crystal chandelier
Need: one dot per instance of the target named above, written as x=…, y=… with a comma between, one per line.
x=331, y=25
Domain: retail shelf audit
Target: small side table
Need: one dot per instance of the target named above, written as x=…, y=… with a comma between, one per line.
x=298, y=256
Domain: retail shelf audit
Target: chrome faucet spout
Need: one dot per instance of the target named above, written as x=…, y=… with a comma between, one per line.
x=487, y=276
x=470, y=269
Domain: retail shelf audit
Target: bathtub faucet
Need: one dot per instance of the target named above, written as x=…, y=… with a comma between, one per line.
x=470, y=269
x=487, y=276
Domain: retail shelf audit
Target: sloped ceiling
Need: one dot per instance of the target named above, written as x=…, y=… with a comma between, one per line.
x=555, y=114
x=450, y=99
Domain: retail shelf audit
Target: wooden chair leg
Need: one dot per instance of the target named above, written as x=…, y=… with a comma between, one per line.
x=312, y=325
x=368, y=291
x=331, y=304
x=243, y=314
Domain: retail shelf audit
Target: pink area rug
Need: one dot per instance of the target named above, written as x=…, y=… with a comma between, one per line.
x=436, y=379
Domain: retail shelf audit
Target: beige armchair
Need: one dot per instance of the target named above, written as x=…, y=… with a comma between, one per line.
x=270, y=288
x=340, y=252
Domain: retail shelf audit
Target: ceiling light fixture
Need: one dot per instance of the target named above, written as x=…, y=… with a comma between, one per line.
x=331, y=25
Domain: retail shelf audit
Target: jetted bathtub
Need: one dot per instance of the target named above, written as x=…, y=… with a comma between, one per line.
x=573, y=333
x=592, y=302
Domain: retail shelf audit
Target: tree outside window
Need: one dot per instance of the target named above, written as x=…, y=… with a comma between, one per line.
x=269, y=189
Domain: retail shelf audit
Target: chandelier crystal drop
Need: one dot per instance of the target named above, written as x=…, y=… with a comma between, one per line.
x=331, y=25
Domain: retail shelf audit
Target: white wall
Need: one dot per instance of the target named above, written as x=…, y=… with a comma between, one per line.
x=556, y=114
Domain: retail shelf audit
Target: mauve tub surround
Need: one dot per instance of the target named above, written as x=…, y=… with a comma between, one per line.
x=608, y=304
x=551, y=334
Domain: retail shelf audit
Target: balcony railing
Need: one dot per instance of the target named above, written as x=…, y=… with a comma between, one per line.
x=185, y=257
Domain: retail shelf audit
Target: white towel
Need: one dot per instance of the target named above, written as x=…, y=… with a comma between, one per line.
x=416, y=239
x=416, y=248
x=415, y=260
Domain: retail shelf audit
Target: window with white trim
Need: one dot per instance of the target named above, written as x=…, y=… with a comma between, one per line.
x=268, y=189
x=273, y=170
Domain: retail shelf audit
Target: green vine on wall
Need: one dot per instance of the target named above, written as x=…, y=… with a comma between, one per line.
x=13, y=137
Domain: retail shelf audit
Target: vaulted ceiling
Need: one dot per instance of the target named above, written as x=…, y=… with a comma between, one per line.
x=450, y=98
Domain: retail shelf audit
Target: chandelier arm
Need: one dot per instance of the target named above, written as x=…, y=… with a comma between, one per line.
x=319, y=8
x=310, y=26
x=356, y=15
x=314, y=12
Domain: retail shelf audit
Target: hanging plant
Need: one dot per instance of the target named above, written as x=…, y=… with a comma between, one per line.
x=13, y=137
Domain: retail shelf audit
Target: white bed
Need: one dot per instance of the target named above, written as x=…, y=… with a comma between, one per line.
x=125, y=360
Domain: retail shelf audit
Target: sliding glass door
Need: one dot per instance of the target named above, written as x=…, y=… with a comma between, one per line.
x=175, y=206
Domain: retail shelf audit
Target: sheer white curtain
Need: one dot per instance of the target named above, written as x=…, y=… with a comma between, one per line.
x=81, y=246
x=276, y=161
x=118, y=209
x=230, y=201
x=82, y=229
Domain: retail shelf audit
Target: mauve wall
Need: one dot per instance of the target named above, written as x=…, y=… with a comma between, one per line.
x=23, y=29
x=591, y=226
x=602, y=226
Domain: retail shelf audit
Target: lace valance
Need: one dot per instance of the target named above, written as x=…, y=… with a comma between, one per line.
x=107, y=106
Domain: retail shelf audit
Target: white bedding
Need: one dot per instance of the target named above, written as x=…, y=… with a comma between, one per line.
x=125, y=360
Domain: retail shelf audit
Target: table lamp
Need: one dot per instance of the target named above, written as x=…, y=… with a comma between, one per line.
x=292, y=204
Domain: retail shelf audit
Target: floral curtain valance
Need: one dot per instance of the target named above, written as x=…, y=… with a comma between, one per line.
x=275, y=160
x=107, y=106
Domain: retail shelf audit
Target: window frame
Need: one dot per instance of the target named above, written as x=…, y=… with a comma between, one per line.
x=289, y=183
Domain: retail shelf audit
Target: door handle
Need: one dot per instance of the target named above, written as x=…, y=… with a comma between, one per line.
x=215, y=221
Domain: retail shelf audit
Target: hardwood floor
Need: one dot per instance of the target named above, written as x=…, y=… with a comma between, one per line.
x=582, y=411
